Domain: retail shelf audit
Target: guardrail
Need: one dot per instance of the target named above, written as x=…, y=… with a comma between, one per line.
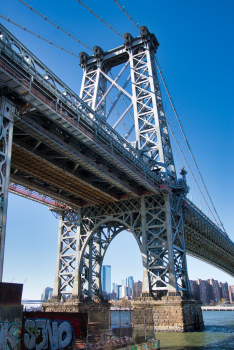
x=68, y=104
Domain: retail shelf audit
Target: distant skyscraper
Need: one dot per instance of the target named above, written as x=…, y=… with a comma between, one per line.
x=47, y=293
x=123, y=291
x=231, y=294
x=224, y=291
x=130, y=285
x=137, y=289
x=117, y=290
x=113, y=287
x=106, y=278
x=123, y=282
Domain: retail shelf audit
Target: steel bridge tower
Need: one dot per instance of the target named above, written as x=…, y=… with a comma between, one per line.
x=155, y=219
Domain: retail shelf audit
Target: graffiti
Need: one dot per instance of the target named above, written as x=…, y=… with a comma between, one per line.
x=45, y=334
x=10, y=338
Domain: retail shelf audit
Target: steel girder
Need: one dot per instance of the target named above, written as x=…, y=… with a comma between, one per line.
x=7, y=113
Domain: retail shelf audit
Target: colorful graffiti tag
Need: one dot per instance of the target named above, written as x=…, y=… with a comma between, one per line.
x=52, y=331
x=10, y=337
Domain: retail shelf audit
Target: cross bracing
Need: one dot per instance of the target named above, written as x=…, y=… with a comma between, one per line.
x=64, y=147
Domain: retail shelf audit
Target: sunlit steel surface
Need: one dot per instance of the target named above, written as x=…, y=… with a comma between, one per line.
x=63, y=152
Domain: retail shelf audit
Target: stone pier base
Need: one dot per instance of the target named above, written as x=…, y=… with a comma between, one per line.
x=171, y=314
x=98, y=311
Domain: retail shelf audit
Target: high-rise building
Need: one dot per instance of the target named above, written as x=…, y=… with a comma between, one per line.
x=130, y=284
x=204, y=291
x=106, y=278
x=113, y=296
x=113, y=287
x=47, y=293
x=137, y=289
x=123, y=282
x=224, y=291
x=117, y=291
x=215, y=291
x=231, y=293
x=194, y=288
x=211, y=291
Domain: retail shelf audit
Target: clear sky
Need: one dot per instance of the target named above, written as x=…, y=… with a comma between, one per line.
x=196, y=56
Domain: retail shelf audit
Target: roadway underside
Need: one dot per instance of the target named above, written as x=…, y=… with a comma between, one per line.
x=205, y=242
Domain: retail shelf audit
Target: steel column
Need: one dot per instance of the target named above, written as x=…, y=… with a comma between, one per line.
x=76, y=284
x=67, y=265
x=57, y=281
x=171, y=268
x=7, y=112
x=144, y=252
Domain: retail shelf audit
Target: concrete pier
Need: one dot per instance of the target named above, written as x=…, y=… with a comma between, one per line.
x=170, y=314
x=98, y=310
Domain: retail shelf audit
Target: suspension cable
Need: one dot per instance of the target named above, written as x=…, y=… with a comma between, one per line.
x=190, y=170
x=186, y=140
x=58, y=27
x=178, y=120
x=38, y=36
x=91, y=11
x=123, y=10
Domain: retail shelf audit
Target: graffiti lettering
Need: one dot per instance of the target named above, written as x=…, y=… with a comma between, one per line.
x=10, y=335
x=42, y=334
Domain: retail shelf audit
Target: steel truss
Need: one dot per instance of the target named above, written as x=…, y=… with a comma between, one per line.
x=68, y=250
x=7, y=113
x=157, y=225
x=151, y=132
x=156, y=221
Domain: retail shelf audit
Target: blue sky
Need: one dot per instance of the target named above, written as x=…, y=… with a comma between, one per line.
x=196, y=57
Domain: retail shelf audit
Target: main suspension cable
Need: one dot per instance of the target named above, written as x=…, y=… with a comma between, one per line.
x=178, y=119
x=190, y=170
x=39, y=36
x=183, y=133
x=58, y=27
x=129, y=17
x=91, y=11
x=186, y=140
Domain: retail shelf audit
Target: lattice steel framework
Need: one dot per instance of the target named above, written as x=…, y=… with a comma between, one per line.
x=157, y=225
x=150, y=121
x=156, y=221
x=145, y=102
x=68, y=250
x=7, y=113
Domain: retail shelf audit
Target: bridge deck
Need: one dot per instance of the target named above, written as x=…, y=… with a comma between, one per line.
x=64, y=150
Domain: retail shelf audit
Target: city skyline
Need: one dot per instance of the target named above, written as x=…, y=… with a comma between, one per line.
x=189, y=60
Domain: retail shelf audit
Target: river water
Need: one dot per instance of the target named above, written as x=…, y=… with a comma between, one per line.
x=217, y=335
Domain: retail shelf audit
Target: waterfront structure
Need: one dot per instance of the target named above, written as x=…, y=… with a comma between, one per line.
x=106, y=278
x=96, y=182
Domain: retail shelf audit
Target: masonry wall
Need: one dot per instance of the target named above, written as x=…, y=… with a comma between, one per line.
x=171, y=314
